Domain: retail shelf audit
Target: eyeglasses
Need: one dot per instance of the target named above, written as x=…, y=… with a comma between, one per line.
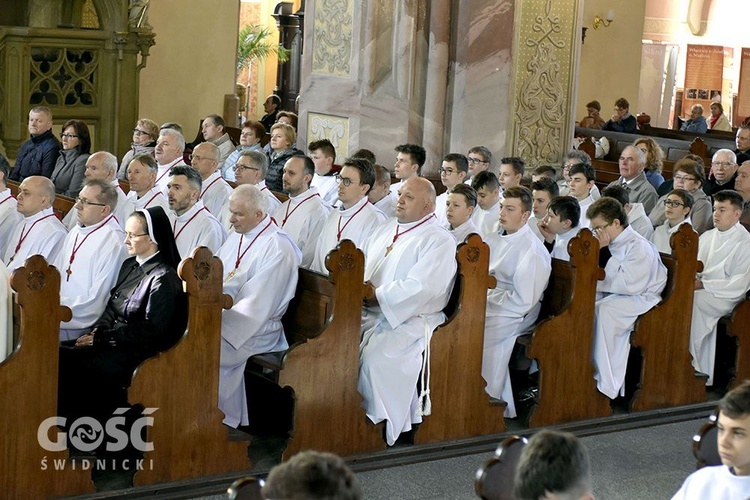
x=601, y=228
x=671, y=203
x=201, y=158
x=474, y=161
x=84, y=202
x=446, y=171
x=721, y=164
x=131, y=236
x=140, y=132
x=684, y=178
x=243, y=167
x=346, y=181
x=69, y=136
x=566, y=166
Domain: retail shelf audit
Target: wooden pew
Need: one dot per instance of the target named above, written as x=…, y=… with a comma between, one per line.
x=61, y=205
x=319, y=371
x=663, y=333
x=738, y=326
x=188, y=437
x=460, y=405
x=563, y=343
x=28, y=384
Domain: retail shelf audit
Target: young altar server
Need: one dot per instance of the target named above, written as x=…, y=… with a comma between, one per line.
x=560, y=225
x=452, y=172
x=460, y=204
x=677, y=206
x=487, y=213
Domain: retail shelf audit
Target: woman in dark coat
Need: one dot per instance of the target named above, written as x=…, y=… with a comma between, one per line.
x=71, y=164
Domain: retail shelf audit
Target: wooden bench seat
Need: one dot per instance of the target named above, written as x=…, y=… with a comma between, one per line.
x=738, y=327
x=460, y=405
x=563, y=343
x=28, y=384
x=188, y=437
x=663, y=333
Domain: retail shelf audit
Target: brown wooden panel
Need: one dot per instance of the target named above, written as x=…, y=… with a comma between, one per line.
x=28, y=384
x=663, y=333
x=124, y=185
x=460, y=405
x=563, y=345
x=183, y=383
x=322, y=372
x=739, y=327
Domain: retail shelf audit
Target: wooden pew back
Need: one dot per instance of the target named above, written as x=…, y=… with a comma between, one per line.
x=663, y=333
x=460, y=405
x=563, y=343
x=188, y=437
x=28, y=384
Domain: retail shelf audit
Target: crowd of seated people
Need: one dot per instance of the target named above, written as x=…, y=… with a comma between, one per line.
x=405, y=230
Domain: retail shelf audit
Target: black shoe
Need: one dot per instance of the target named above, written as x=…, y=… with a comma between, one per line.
x=528, y=395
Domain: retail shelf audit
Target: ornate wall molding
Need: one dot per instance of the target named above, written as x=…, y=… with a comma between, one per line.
x=546, y=49
x=332, y=46
x=331, y=127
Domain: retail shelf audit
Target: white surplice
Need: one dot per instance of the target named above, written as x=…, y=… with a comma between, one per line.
x=162, y=174
x=153, y=198
x=533, y=224
x=462, y=231
x=302, y=217
x=215, y=193
x=355, y=224
x=328, y=187
x=100, y=251
x=726, y=280
x=639, y=221
x=522, y=265
x=272, y=204
x=43, y=234
x=197, y=228
x=387, y=205
x=635, y=278
x=583, y=221
x=714, y=483
x=663, y=233
x=9, y=219
x=560, y=248
x=411, y=296
x=261, y=288
x=487, y=221
x=395, y=187
x=6, y=313
x=440, y=208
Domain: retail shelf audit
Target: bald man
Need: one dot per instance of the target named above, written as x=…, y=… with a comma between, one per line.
x=215, y=191
x=407, y=303
x=40, y=231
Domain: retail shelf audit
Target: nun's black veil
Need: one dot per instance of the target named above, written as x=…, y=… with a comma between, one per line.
x=160, y=230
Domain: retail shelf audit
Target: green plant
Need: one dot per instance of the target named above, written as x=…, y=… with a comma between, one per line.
x=254, y=44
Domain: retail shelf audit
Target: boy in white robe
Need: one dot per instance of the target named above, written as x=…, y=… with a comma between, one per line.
x=355, y=219
x=214, y=189
x=260, y=274
x=480, y=159
x=143, y=192
x=323, y=155
x=724, y=281
x=522, y=266
x=407, y=303
x=303, y=215
x=486, y=215
x=40, y=232
x=637, y=217
x=543, y=190
x=677, y=206
x=634, y=280
x=380, y=194
x=9, y=215
x=560, y=225
x=409, y=161
x=575, y=157
x=192, y=223
x=732, y=478
x=581, y=187
x=461, y=202
x=90, y=259
x=452, y=172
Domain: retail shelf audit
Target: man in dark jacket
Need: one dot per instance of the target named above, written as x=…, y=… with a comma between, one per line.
x=38, y=155
x=622, y=120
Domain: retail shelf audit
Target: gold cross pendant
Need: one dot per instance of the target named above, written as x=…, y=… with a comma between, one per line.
x=388, y=249
x=68, y=272
x=229, y=276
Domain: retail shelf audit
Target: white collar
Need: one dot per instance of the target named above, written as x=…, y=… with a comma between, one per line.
x=192, y=211
x=346, y=212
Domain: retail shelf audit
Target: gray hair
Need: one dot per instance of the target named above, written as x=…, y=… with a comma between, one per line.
x=251, y=197
x=146, y=160
x=109, y=161
x=169, y=132
x=258, y=159
x=732, y=155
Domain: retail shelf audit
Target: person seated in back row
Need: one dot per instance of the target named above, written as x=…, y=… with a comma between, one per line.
x=637, y=218
x=452, y=172
x=543, y=190
x=622, y=120
x=731, y=480
x=380, y=194
x=633, y=179
x=512, y=169
x=409, y=161
x=678, y=205
x=486, y=215
x=460, y=204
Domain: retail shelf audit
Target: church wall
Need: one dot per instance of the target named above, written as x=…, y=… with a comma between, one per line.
x=192, y=65
x=611, y=57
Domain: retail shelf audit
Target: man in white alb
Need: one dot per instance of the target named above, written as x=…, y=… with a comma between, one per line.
x=452, y=172
x=633, y=282
x=40, y=231
x=380, y=194
x=409, y=161
x=355, y=219
x=522, y=266
x=168, y=152
x=90, y=258
x=406, y=305
x=251, y=168
x=143, y=192
x=192, y=223
x=9, y=215
x=260, y=274
x=582, y=181
x=480, y=159
x=724, y=281
x=486, y=215
x=103, y=166
x=303, y=215
x=214, y=191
